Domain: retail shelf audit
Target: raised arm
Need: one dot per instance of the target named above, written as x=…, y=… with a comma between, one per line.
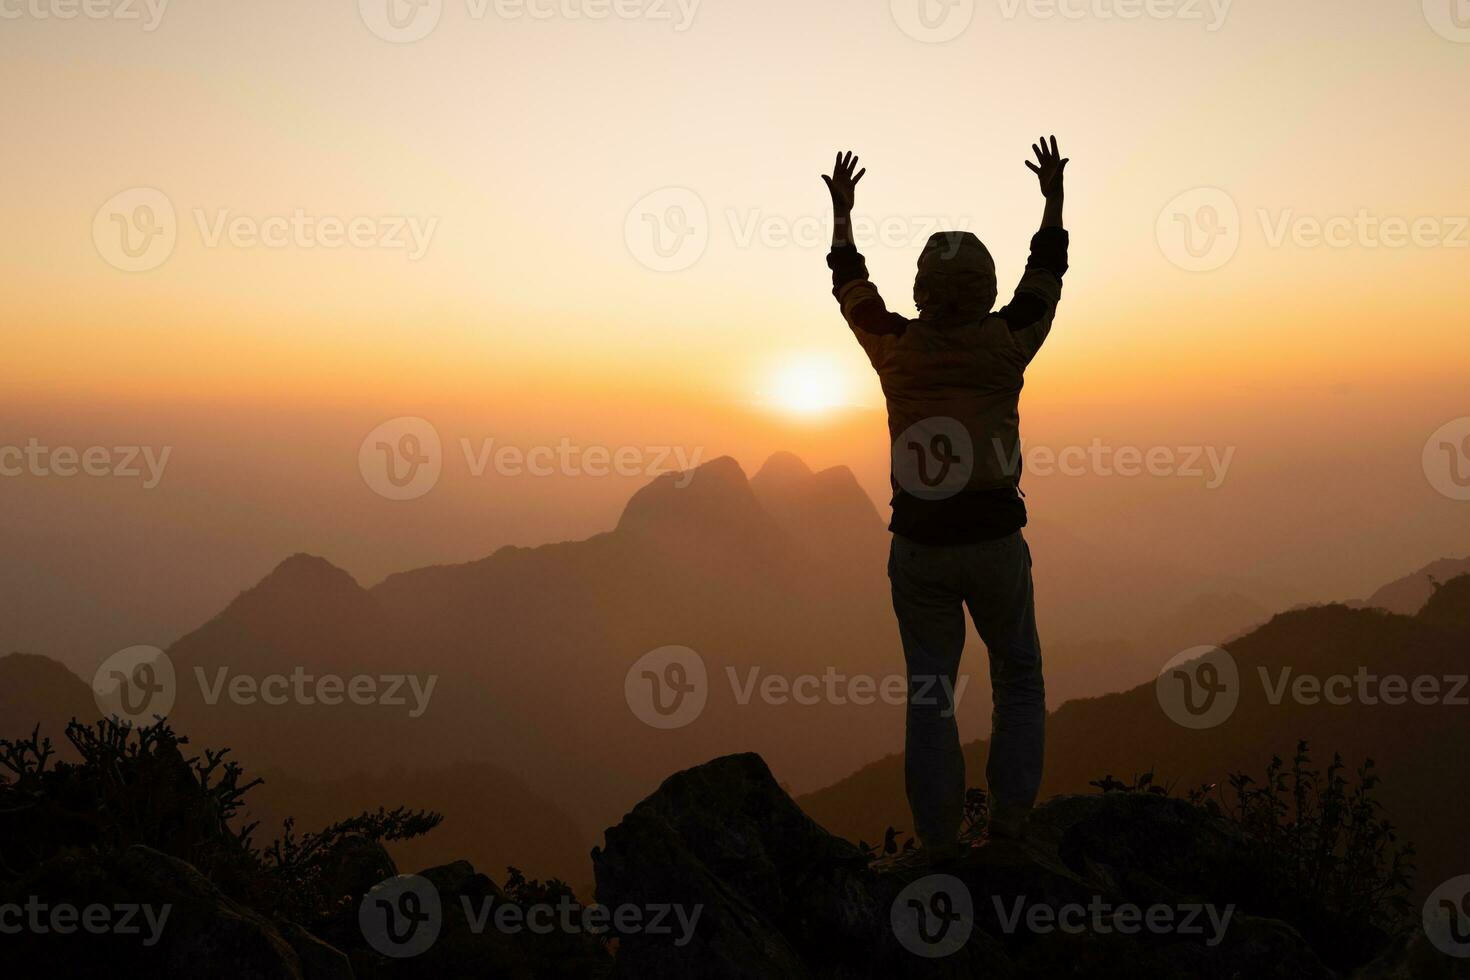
x=1049, y=169
x=842, y=185
x=1030, y=313
x=862, y=306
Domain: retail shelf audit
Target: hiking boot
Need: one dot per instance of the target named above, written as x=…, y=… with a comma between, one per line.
x=1008, y=823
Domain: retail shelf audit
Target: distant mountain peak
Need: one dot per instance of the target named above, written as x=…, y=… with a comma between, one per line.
x=782, y=469
x=1407, y=595
x=825, y=509
x=305, y=571
x=1449, y=605
x=714, y=495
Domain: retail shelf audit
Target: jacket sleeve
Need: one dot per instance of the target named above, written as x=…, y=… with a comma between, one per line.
x=862, y=307
x=1029, y=314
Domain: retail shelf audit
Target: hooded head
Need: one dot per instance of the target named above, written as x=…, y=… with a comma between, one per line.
x=956, y=277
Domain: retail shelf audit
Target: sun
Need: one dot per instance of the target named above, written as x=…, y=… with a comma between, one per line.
x=806, y=385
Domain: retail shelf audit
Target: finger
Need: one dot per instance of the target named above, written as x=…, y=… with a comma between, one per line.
x=859, y=176
x=1034, y=168
x=1039, y=154
x=837, y=164
x=828, y=181
x=1054, y=151
x=847, y=161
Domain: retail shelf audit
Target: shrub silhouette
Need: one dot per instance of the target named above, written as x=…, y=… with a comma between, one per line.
x=1316, y=852
x=1326, y=858
x=134, y=785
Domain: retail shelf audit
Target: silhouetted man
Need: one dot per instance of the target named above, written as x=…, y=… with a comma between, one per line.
x=952, y=380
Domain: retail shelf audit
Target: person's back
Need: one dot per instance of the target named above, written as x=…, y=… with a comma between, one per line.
x=952, y=380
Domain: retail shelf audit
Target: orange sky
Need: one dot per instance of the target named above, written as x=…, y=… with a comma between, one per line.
x=527, y=144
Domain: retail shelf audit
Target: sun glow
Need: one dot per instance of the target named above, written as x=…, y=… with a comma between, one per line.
x=806, y=385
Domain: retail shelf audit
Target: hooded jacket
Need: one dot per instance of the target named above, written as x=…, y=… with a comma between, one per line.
x=952, y=379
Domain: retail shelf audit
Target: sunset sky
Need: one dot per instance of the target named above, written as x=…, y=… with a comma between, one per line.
x=527, y=150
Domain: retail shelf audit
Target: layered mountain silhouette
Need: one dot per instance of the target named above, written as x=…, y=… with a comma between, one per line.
x=512, y=670
x=1408, y=595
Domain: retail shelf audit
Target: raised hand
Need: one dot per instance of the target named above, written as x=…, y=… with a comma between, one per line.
x=843, y=184
x=1049, y=167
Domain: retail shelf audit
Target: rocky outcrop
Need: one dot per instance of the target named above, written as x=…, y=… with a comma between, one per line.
x=1120, y=884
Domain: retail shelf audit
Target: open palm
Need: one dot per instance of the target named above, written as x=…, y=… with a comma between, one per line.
x=1049, y=167
x=843, y=184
